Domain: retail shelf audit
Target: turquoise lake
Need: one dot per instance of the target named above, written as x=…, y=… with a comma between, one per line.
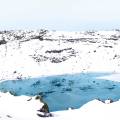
x=63, y=91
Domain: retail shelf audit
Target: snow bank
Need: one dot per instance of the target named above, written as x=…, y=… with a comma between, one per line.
x=94, y=110
x=19, y=108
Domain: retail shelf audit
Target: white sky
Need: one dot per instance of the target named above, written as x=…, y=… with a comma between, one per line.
x=60, y=14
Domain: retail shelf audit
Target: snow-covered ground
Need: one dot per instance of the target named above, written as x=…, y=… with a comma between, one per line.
x=19, y=108
x=58, y=53
x=25, y=54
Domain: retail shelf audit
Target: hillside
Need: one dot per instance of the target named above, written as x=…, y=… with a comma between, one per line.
x=54, y=52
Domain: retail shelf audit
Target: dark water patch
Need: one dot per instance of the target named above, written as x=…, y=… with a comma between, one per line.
x=37, y=83
x=85, y=88
x=63, y=91
x=66, y=89
x=110, y=88
x=45, y=94
x=56, y=83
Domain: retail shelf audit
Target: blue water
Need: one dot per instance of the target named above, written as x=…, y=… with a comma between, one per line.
x=63, y=91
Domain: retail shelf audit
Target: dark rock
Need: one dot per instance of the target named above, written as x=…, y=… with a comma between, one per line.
x=13, y=93
x=108, y=46
x=41, y=35
x=9, y=116
x=44, y=111
x=45, y=107
x=58, y=60
x=57, y=51
x=45, y=115
x=3, y=42
x=15, y=72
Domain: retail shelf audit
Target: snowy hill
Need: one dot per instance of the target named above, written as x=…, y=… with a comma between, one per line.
x=54, y=52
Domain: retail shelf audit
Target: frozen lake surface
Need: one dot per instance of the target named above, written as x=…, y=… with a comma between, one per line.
x=64, y=91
